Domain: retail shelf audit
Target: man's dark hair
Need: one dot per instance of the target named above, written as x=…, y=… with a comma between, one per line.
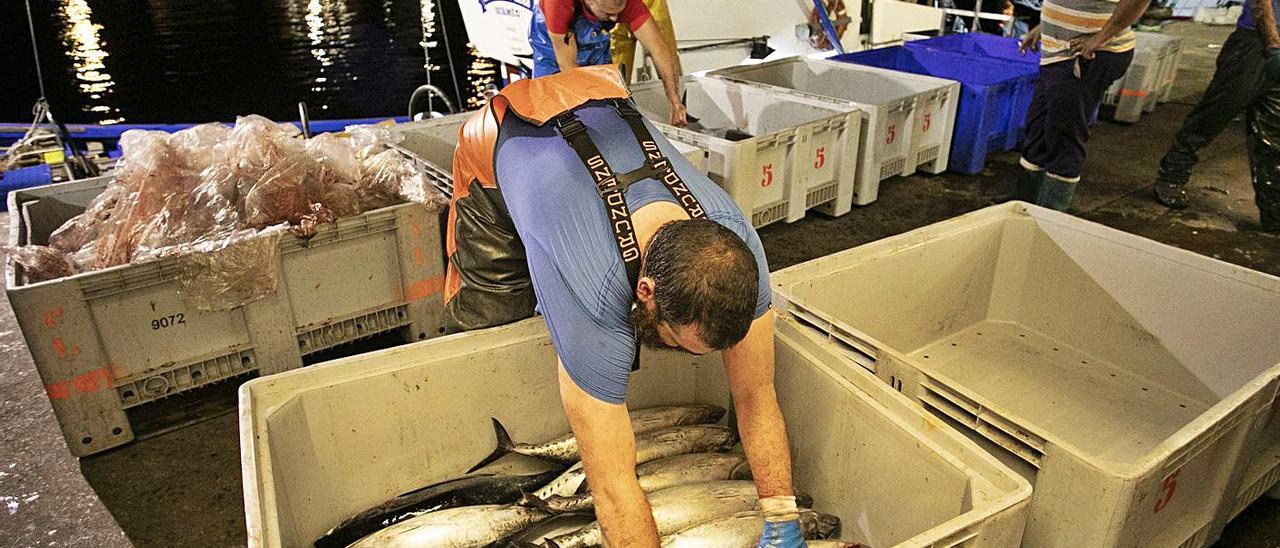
x=704, y=276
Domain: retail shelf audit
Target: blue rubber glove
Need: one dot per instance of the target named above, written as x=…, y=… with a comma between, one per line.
x=1273, y=65
x=784, y=534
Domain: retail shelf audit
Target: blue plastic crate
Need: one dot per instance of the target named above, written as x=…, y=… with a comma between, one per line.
x=977, y=43
x=994, y=97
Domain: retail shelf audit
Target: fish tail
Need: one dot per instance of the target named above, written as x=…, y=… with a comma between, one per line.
x=530, y=500
x=504, y=446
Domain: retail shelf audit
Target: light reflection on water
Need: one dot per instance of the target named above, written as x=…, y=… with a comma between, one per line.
x=84, y=46
x=163, y=61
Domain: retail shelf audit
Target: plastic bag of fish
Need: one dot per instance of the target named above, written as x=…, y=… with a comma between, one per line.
x=536, y=494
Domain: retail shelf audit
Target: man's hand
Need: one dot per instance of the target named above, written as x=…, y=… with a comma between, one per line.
x=608, y=449
x=781, y=523
x=1030, y=41
x=786, y=534
x=1089, y=49
x=679, y=117
x=665, y=58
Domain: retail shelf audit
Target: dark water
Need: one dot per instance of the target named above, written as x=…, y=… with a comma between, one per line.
x=153, y=61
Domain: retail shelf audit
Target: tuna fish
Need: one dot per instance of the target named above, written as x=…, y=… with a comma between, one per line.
x=465, y=527
x=538, y=533
x=502, y=482
x=650, y=446
x=564, y=449
x=744, y=529
x=677, y=508
x=668, y=472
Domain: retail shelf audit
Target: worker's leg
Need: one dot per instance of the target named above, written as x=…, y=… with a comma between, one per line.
x=1240, y=78
x=1034, y=153
x=487, y=282
x=1073, y=94
x=1263, y=129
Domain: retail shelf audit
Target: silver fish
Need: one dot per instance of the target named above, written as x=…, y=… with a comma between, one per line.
x=564, y=449
x=677, y=508
x=537, y=533
x=668, y=472
x=744, y=529
x=463, y=527
x=650, y=446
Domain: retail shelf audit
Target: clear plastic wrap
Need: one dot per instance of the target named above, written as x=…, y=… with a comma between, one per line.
x=229, y=273
x=39, y=263
x=219, y=198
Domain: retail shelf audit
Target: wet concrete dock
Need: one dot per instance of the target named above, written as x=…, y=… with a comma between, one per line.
x=182, y=488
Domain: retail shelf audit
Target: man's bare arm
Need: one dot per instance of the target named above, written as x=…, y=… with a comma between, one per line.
x=1264, y=19
x=1126, y=14
x=749, y=365
x=665, y=58
x=566, y=48
x=608, y=448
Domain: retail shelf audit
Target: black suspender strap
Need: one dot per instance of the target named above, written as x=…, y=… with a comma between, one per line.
x=610, y=190
x=611, y=186
x=656, y=165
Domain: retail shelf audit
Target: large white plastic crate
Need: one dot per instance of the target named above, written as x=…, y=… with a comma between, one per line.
x=322, y=443
x=1127, y=378
x=796, y=154
x=111, y=340
x=910, y=117
x=1149, y=79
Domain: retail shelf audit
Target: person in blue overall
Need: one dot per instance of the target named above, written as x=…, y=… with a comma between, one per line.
x=565, y=34
x=568, y=203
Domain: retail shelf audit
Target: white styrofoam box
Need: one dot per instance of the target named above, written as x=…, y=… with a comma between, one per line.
x=1127, y=378
x=322, y=443
x=114, y=339
x=789, y=155
x=910, y=118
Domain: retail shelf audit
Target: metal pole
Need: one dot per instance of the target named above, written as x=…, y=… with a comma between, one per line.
x=31, y=25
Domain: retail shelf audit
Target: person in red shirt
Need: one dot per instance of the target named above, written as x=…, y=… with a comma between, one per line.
x=566, y=34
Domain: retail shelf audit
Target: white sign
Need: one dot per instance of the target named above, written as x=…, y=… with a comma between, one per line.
x=499, y=29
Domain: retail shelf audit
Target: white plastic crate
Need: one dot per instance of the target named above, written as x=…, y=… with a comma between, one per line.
x=1149, y=79
x=1126, y=377
x=910, y=117
x=325, y=442
x=434, y=141
x=111, y=340
x=794, y=154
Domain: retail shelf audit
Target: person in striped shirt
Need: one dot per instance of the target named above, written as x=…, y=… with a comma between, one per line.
x=1085, y=45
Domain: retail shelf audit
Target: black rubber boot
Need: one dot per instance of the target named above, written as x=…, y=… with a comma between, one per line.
x=1030, y=187
x=1056, y=194
x=1172, y=195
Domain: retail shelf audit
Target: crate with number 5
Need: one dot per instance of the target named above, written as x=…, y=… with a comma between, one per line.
x=909, y=117
x=776, y=155
x=1134, y=384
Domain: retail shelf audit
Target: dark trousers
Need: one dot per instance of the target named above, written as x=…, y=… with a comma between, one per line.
x=1062, y=106
x=1239, y=84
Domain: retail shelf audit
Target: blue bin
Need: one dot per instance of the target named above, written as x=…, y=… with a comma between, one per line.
x=977, y=43
x=994, y=97
x=21, y=178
